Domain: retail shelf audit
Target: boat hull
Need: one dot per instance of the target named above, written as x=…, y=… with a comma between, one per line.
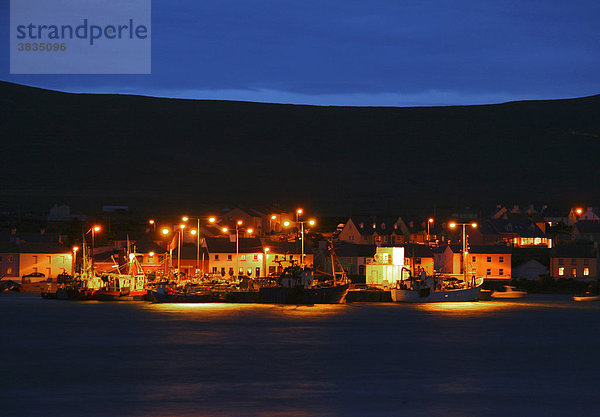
x=116, y=296
x=586, y=298
x=299, y=295
x=423, y=296
x=509, y=295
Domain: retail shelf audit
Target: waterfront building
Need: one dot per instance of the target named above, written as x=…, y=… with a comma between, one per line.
x=578, y=261
x=24, y=258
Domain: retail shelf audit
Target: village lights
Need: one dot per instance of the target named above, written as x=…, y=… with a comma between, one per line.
x=193, y=232
x=311, y=222
x=165, y=231
x=464, y=243
x=579, y=210
x=224, y=230
x=250, y=231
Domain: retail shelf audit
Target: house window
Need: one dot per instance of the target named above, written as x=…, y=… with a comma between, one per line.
x=501, y=272
x=276, y=257
x=223, y=272
x=8, y=271
x=386, y=258
x=229, y=257
x=474, y=258
x=417, y=261
x=216, y=257
x=271, y=270
x=586, y=272
x=214, y=270
x=501, y=259
x=574, y=272
x=9, y=258
x=256, y=256
x=230, y=272
x=243, y=257
x=488, y=259
x=561, y=261
x=561, y=271
x=488, y=272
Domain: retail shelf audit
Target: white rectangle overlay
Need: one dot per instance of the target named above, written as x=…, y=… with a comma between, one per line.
x=80, y=37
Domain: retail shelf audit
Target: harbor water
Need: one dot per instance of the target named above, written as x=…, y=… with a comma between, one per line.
x=532, y=357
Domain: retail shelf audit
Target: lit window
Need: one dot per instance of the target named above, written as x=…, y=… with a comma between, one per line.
x=243, y=257
x=586, y=272
x=216, y=257
x=561, y=271
x=9, y=258
x=489, y=259
x=386, y=257
x=501, y=272
x=214, y=269
x=574, y=272
x=8, y=271
x=474, y=258
x=488, y=272
x=501, y=259
x=229, y=257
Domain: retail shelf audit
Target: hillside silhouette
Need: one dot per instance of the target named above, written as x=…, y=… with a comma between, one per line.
x=160, y=154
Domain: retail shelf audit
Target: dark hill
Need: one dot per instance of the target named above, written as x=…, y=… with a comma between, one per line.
x=166, y=153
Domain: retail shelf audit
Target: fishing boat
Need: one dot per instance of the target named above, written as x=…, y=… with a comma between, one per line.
x=297, y=284
x=509, y=292
x=82, y=286
x=130, y=286
x=435, y=289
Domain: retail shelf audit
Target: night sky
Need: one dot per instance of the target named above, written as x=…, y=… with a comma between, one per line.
x=345, y=52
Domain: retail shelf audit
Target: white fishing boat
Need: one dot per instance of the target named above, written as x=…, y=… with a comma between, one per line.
x=434, y=289
x=509, y=292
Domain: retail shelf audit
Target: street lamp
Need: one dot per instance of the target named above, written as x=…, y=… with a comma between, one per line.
x=153, y=223
x=266, y=264
x=311, y=222
x=75, y=249
x=196, y=233
x=93, y=230
x=464, y=244
x=429, y=221
x=181, y=227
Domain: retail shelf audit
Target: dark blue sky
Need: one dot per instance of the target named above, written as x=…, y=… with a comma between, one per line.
x=345, y=52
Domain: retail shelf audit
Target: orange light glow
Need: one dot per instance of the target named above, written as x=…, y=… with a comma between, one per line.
x=239, y=222
x=474, y=225
x=151, y=254
x=75, y=248
x=273, y=217
x=250, y=231
x=165, y=231
x=193, y=232
x=579, y=210
x=151, y=221
x=267, y=249
x=182, y=226
x=452, y=225
x=299, y=211
x=185, y=218
x=312, y=222
x=286, y=223
x=224, y=230
x=212, y=219
x=97, y=228
x=430, y=220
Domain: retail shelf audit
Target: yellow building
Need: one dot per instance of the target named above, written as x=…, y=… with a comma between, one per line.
x=386, y=267
x=49, y=259
x=574, y=261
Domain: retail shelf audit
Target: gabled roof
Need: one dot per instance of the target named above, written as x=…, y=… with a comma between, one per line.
x=573, y=251
x=519, y=226
x=31, y=237
x=285, y=247
x=189, y=251
x=384, y=225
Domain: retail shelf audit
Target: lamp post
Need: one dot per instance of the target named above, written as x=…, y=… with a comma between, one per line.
x=153, y=223
x=464, y=244
x=196, y=232
x=181, y=227
x=266, y=263
x=75, y=249
x=93, y=230
x=311, y=222
x=429, y=221
x=237, y=248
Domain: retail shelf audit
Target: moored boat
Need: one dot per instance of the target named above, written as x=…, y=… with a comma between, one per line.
x=433, y=289
x=124, y=287
x=509, y=292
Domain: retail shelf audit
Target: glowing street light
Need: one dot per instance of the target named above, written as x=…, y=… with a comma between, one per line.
x=266, y=264
x=93, y=230
x=75, y=249
x=579, y=210
x=464, y=244
x=311, y=222
x=429, y=221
